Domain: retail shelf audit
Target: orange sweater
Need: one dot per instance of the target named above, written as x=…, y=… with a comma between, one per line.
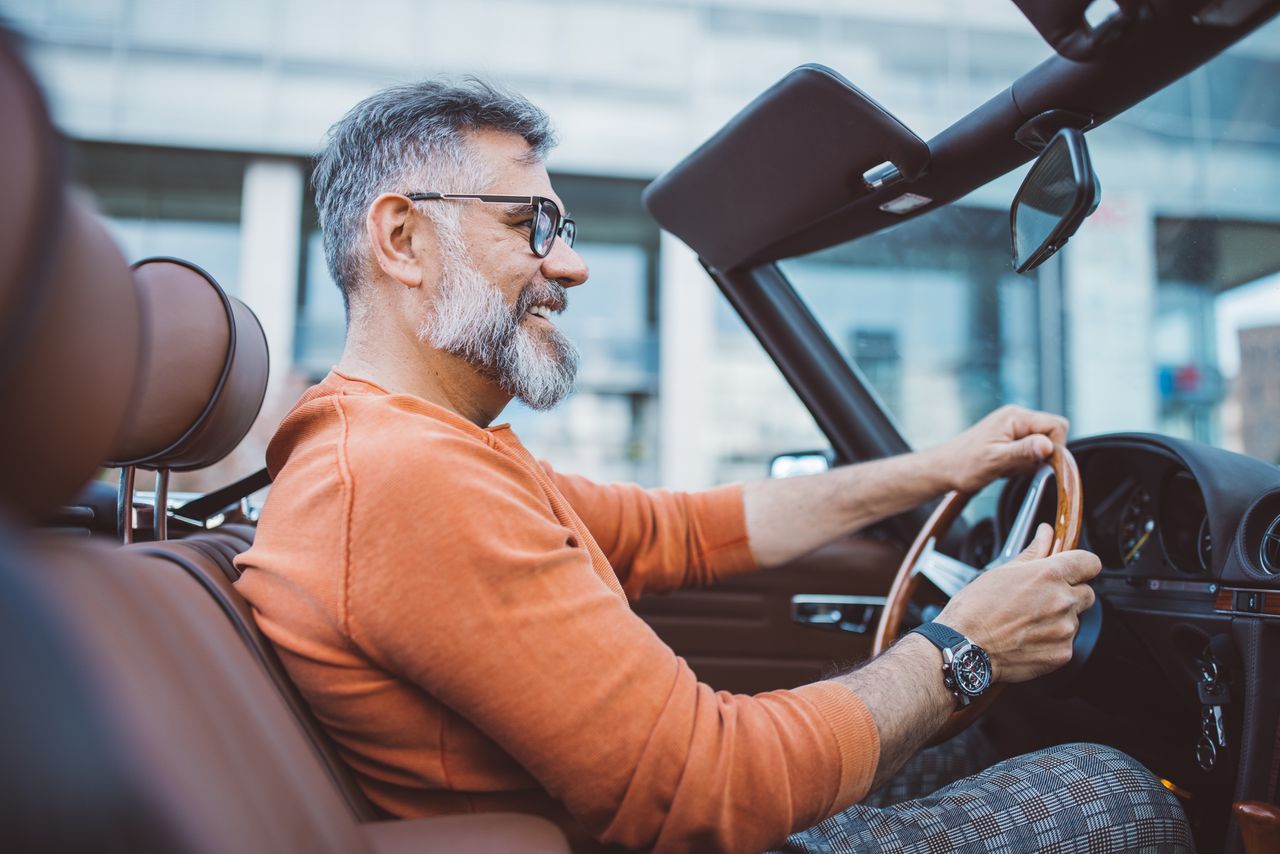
x=456, y=614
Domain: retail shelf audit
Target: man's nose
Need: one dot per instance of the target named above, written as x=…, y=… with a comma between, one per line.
x=564, y=265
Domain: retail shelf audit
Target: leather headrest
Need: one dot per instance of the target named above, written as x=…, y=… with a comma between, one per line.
x=31, y=207
x=69, y=322
x=204, y=372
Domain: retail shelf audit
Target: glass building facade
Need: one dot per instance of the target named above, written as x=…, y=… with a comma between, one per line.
x=193, y=125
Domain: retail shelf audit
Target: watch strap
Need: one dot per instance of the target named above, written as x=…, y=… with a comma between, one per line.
x=940, y=636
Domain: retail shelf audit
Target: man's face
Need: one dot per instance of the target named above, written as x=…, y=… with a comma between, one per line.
x=495, y=298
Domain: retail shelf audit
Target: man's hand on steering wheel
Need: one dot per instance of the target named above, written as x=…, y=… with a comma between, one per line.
x=1025, y=613
x=1016, y=617
x=1010, y=440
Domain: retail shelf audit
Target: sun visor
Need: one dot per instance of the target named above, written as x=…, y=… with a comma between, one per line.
x=793, y=156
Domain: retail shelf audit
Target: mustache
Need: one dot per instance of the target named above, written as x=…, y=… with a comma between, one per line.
x=547, y=292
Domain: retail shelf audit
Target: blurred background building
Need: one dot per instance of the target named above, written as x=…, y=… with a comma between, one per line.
x=193, y=123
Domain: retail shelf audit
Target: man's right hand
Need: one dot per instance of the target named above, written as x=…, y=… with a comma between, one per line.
x=1025, y=614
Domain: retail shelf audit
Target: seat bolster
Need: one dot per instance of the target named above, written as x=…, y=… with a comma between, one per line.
x=478, y=833
x=207, y=559
x=215, y=751
x=238, y=530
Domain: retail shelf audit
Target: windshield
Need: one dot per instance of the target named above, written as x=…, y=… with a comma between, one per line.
x=1162, y=314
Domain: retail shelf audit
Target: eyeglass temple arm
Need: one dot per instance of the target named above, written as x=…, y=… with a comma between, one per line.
x=425, y=197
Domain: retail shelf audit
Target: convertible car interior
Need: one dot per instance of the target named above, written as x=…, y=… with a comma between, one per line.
x=145, y=710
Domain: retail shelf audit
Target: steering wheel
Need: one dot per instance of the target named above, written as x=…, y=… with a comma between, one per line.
x=950, y=575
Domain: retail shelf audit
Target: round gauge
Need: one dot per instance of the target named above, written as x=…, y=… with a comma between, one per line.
x=1204, y=546
x=1137, y=525
x=1184, y=524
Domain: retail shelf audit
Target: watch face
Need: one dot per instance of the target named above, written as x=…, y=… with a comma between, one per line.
x=972, y=671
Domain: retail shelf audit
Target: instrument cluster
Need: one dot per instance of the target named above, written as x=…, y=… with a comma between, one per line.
x=1145, y=513
x=1170, y=511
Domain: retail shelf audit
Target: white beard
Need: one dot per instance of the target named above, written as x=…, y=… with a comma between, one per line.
x=470, y=319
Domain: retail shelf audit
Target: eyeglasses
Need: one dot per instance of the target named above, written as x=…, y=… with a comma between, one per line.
x=548, y=222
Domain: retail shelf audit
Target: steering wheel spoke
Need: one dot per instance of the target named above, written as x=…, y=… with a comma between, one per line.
x=947, y=573
x=1020, y=530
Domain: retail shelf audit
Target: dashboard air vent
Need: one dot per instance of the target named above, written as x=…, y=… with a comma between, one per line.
x=1269, y=550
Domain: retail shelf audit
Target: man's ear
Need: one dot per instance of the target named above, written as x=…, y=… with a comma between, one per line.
x=403, y=243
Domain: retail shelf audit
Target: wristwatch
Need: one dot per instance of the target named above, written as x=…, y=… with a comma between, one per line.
x=966, y=669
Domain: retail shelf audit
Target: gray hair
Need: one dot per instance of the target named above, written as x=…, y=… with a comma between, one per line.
x=410, y=137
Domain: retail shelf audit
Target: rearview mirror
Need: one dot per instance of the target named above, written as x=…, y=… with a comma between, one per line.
x=1057, y=195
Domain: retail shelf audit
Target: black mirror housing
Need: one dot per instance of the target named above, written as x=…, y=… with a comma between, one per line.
x=1055, y=198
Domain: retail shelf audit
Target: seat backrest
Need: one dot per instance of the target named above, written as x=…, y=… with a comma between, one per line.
x=205, y=380
x=206, y=558
x=135, y=721
x=209, y=743
x=67, y=785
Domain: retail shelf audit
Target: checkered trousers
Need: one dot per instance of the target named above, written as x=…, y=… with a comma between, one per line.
x=1072, y=798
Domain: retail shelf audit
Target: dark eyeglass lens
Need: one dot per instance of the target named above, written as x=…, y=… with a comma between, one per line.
x=569, y=231
x=544, y=224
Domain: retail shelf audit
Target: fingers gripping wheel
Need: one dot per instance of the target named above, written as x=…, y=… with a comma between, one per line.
x=951, y=575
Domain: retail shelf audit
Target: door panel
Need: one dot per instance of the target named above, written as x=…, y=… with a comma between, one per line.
x=740, y=636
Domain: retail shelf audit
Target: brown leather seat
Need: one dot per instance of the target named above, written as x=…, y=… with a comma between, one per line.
x=137, y=715
x=189, y=744
x=206, y=376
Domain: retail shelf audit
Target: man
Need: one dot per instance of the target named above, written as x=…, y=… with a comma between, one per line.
x=456, y=613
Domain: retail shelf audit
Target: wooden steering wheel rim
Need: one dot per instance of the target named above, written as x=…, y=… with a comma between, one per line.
x=1066, y=535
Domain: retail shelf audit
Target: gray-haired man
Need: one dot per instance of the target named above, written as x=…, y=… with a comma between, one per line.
x=456, y=613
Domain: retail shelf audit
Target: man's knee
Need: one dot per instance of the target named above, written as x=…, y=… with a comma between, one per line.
x=1098, y=761
x=1102, y=768
x=1107, y=782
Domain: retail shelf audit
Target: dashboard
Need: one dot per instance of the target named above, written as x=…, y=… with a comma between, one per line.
x=1164, y=509
x=1177, y=662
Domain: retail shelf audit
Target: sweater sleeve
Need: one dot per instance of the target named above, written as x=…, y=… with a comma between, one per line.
x=658, y=540
x=460, y=581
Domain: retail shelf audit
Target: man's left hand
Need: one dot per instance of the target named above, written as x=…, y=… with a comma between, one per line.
x=1011, y=440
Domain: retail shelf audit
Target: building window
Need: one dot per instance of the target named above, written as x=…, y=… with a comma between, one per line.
x=174, y=202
